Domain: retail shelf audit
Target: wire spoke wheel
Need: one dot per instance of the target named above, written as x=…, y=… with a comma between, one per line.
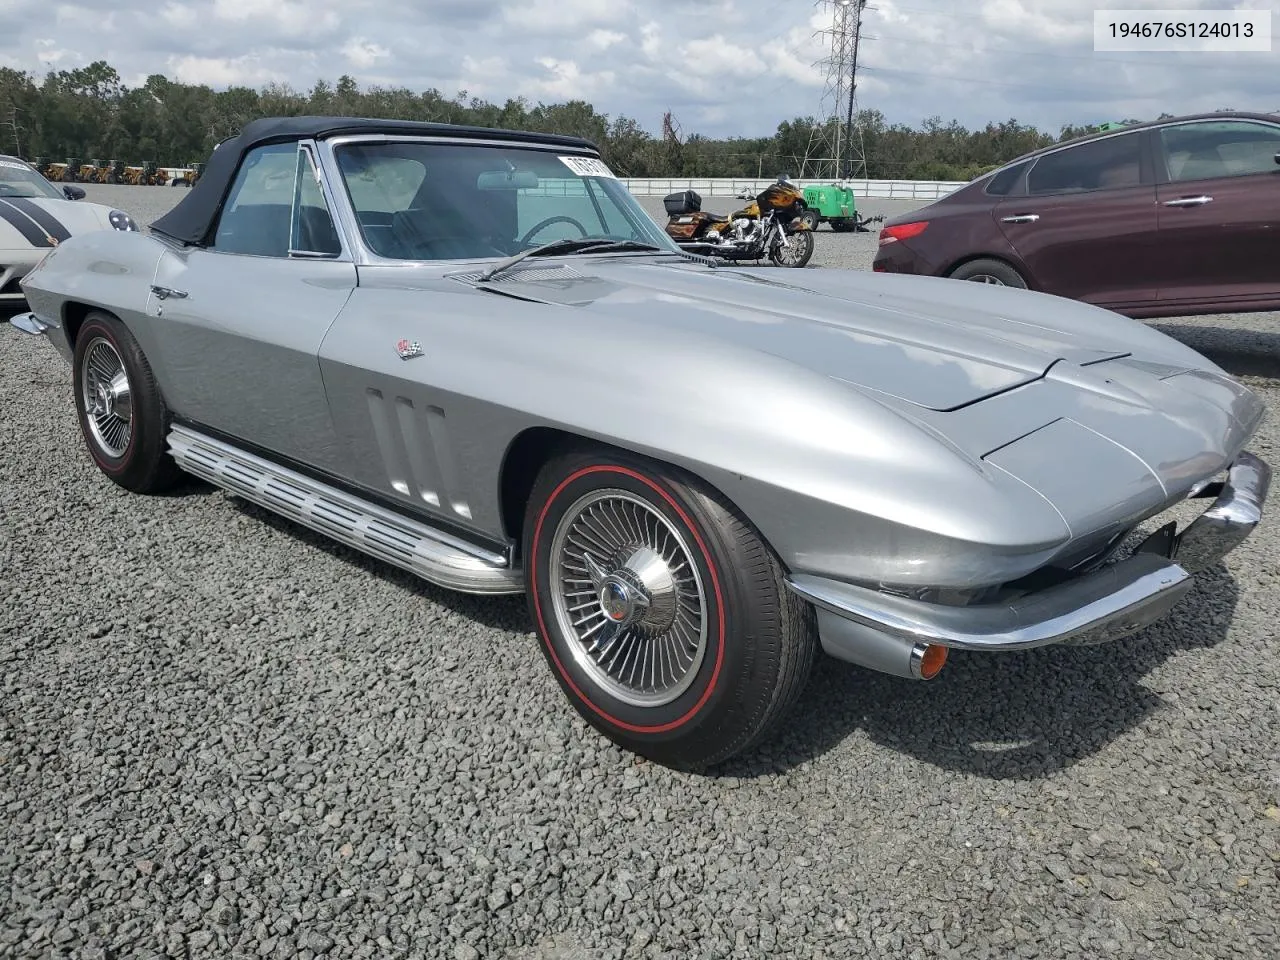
x=107, y=396
x=628, y=597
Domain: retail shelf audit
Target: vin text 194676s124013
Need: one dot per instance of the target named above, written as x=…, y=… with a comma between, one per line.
x=470, y=353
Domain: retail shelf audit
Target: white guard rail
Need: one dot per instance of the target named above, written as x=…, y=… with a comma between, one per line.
x=725, y=187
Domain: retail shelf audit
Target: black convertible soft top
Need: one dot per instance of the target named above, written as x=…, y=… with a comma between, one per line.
x=192, y=218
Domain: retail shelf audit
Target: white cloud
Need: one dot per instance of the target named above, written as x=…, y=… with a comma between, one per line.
x=568, y=82
x=1053, y=22
x=179, y=15
x=288, y=16
x=604, y=39
x=483, y=77
x=567, y=17
x=716, y=56
x=221, y=71
x=363, y=54
x=72, y=14
x=723, y=67
x=50, y=54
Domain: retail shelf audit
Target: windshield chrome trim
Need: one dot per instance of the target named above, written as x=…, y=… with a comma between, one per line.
x=344, y=210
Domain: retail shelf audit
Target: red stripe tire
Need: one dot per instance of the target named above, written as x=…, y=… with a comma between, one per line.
x=661, y=612
x=122, y=415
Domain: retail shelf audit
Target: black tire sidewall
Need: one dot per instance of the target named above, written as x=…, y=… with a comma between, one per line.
x=1005, y=272
x=148, y=421
x=724, y=661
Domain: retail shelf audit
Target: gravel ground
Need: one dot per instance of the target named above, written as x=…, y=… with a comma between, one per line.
x=221, y=736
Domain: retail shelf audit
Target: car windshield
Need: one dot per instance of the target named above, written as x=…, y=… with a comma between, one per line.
x=417, y=200
x=19, y=180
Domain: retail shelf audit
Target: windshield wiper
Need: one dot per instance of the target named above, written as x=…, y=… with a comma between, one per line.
x=554, y=246
x=568, y=245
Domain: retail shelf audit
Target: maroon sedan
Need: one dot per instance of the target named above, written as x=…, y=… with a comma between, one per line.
x=1168, y=218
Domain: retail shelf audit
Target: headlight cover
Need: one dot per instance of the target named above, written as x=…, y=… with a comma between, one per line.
x=122, y=221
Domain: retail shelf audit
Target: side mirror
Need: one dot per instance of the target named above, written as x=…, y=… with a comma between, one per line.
x=1277, y=158
x=73, y=193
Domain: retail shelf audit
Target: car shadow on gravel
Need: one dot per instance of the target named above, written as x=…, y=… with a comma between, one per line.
x=503, y=612
x=1241, y=351
x=999, y=715
x=995, y=715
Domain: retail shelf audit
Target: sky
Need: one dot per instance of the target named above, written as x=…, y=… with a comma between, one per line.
x=722, y=68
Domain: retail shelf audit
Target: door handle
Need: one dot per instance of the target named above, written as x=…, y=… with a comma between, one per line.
x=1188, y=201
x=164, y=293
x=1021, y=218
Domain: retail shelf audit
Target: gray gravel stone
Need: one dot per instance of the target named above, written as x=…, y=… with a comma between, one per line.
x=223, y=737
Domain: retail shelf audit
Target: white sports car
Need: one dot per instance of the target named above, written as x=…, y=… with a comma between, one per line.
x=35, y=216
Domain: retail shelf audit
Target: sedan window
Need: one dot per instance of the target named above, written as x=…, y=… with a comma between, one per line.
x=1096, y=165
x=1004, y=181
x=1227, y=148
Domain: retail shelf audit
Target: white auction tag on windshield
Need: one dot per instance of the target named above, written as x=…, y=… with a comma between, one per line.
x=588, y=167
x=10, y=165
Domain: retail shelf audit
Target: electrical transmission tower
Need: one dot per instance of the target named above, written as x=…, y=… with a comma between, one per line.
x=835, y=145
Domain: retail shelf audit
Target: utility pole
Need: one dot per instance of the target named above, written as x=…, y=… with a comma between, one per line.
x=835, y=146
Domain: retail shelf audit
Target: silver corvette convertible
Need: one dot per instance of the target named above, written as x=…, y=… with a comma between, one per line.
x=470, y=353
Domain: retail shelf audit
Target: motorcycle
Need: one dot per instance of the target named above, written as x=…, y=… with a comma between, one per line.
x=771, y=225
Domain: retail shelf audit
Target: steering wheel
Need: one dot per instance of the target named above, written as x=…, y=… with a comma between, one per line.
x=524, y=241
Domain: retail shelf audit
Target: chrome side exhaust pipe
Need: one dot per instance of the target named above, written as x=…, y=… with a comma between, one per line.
x=876, y=650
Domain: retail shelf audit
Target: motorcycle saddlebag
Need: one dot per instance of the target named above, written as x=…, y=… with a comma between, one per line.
x=677, y=204
x=686, y=226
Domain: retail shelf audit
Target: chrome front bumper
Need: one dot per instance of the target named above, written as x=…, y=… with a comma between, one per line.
x=29, y=323
x=889, y=632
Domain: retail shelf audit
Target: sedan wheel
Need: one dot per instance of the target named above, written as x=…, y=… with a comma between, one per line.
x=663, y=616
x=991, y=271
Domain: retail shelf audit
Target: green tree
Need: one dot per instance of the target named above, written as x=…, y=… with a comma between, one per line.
x=89, y=112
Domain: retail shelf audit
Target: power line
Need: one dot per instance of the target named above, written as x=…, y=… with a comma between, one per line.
x=918, y=75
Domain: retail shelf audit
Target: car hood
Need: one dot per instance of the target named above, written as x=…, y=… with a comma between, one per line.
x=937, y=352
x=1013, y=382
x=75, y=216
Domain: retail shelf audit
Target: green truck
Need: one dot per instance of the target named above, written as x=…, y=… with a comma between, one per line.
x=834, y=204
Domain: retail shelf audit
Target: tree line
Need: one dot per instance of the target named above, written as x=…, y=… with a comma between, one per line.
x=89, y=113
